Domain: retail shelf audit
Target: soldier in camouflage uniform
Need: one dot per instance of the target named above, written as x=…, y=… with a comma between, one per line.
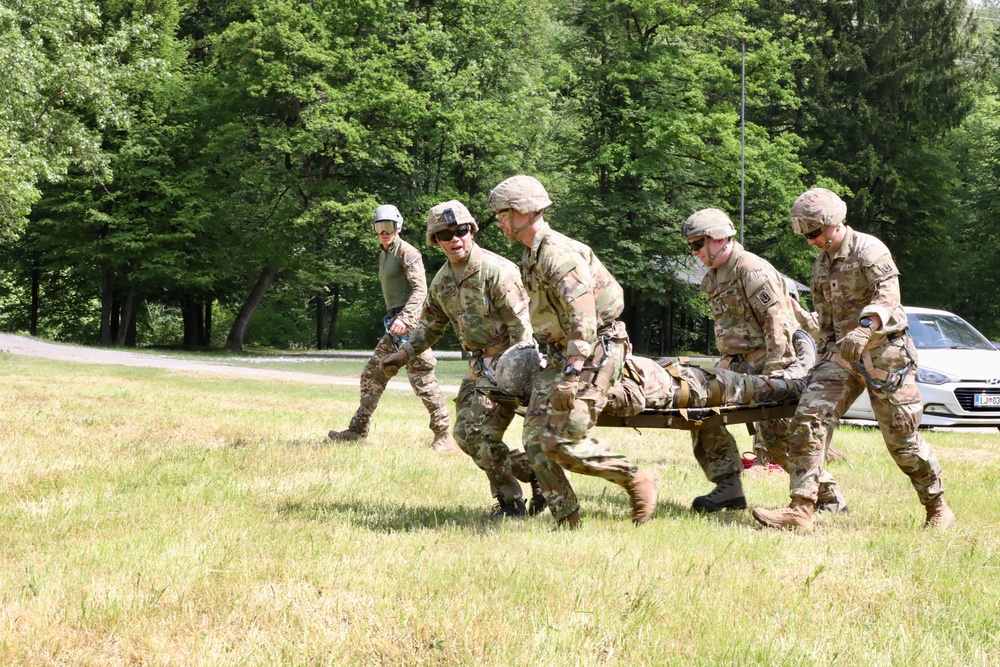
x=575, y=304
x=755, y=322
x=649, y=385
x=864, y=346
x=404, y=286
x=481, y=295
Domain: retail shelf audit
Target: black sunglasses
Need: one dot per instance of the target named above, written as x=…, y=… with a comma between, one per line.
x=814, y=233
x=449, y=234
x=698, y=245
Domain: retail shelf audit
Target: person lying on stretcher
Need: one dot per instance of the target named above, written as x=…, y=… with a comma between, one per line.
x=649, y=384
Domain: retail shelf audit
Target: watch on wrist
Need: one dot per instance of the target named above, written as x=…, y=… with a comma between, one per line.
x=569, y=369
x=866, y=322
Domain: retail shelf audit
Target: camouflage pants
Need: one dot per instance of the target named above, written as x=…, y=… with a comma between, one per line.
x=715, y=447
x=831, y=391
x=479, y=428
x=420, y=371
x=716, y=451
x=553, y=439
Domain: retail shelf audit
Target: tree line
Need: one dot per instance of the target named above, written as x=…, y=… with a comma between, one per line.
x=203, y=173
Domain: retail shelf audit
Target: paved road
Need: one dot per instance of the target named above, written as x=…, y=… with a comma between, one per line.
x=30, y=347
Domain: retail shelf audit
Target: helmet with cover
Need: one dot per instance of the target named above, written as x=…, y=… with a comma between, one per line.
x=710, y=222
x=522, y=193
x=516, y=369
x=387, y=213
x=448, y=214
x=817, y=208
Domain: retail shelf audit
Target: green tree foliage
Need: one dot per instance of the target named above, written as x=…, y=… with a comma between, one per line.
x=973, y=272
x=884, y=85
x=59, y=66
x=656, y=84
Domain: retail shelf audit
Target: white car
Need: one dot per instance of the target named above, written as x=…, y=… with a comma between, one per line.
x=958, y=372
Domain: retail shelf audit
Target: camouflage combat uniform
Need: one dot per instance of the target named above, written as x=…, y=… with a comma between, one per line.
x=859, y=279
x=648, y=385
x=404, y=286
x=575, y=303
x=754, y=324
x=488, y=309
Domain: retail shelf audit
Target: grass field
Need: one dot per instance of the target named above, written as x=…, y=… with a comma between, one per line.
x=150, y=518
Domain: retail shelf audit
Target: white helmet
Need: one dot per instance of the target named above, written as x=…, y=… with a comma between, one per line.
x=388, y=212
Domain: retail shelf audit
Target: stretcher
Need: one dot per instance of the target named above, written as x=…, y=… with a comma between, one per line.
x=694, y=418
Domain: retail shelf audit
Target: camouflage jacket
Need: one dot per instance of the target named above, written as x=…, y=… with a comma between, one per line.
x=752, y=309
x=404, y=284
x=572, y=295
x=488, y=308
x=859, y=278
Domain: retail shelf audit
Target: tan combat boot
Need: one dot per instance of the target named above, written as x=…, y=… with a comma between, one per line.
x=939, y=515
x=441, y=442
x=797, y=515
x=642, y=492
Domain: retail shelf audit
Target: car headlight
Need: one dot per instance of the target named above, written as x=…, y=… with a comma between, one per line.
x=928, y=376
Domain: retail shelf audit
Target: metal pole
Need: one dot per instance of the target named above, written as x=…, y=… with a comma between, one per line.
x=743, y=131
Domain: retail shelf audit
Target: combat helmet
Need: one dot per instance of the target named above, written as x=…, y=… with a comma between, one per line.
x=448, y=214
x=522, y=193
x=817, y=208
x=516, y=369
x=388, y=213
x=710, y=222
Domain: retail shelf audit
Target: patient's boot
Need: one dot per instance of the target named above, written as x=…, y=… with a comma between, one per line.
x=727, y=495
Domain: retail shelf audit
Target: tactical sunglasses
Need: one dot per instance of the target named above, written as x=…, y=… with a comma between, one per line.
x=814, y=234
x=698, y=245
x=385, y=227
x=448, y=234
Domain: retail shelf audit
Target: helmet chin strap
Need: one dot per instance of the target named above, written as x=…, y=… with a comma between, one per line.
x=711, y=257
x=529, y=223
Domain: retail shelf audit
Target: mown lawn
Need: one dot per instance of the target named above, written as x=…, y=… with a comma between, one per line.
x=163, y=519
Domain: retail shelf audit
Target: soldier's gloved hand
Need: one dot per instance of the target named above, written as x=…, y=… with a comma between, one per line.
x=778, y=374
x=391, y=362
x=853, y=344
x=564, y=393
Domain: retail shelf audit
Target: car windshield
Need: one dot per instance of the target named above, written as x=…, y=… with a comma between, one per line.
x=945, y=332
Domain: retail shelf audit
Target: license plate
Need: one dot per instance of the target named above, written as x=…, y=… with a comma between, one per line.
x=986, y=401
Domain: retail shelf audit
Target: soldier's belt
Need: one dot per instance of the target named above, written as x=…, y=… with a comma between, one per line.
x=488, y=351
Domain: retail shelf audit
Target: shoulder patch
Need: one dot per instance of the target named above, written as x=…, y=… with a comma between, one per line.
x=765, y=297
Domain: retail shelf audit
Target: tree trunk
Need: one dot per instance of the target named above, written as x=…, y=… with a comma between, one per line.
x=234, y=343
x=191, y=314
x=36, y=277
x=107, y=301
x=206, y=333
x=126, y=330
x=116, y=313
x=334, y=312
x=320, y=318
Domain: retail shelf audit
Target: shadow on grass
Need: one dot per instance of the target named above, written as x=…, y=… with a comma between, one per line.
x=396, y=517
